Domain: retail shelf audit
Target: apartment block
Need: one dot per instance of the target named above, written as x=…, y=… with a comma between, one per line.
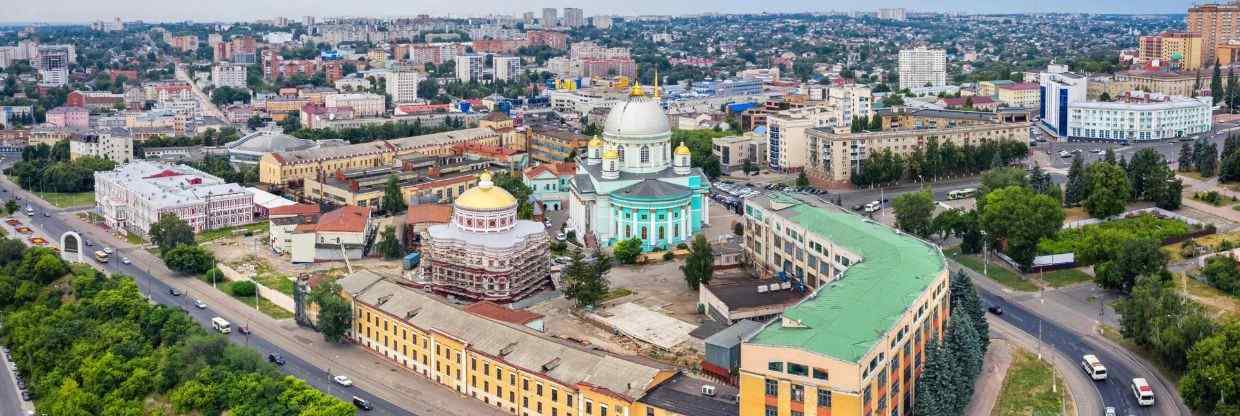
x=786, y=135
x=469, y=67
x=506, y=67
x=921, y=67
x=226, y=74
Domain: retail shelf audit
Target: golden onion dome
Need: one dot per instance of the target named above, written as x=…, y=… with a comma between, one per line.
x=596, y=142
x=637, y=91
x=682, y=150
x=486, y=196
x=611, y=154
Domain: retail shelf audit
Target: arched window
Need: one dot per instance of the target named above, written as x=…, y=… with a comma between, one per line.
x=661, y=232
x=620, y=150
x=644, y=236
x=628, y=231
x=645, y=154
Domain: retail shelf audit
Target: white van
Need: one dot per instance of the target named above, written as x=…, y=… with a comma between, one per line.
x=1143, y=392
x=873, y=206
x=1093, y=367
x=221, y=325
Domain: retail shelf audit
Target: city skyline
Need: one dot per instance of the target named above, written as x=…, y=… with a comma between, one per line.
x=79, y=11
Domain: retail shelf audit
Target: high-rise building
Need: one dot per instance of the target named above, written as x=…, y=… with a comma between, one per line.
x=53, y=65
x=227, y=74
x=1179, y=48
x=549, y=18
x=506, y=67
x=1059, y=89
x=601, y=22
x=402, y=83
x=1216, y=23
x=787, y=142
x=920, y=67
x=891, y=14
x=307, y=20
x=469, y=67
x=574, y=17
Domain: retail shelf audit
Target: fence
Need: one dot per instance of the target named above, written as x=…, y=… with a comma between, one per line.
x=274, y=296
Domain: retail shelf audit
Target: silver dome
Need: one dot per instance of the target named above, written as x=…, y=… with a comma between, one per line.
x=637, y=118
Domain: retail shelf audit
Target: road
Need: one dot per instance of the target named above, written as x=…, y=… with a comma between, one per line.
x=1062, y=338
x=208, y=107
x=158, y=291
x=10, y=402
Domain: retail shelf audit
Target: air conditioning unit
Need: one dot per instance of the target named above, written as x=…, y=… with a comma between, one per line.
x=708, y=390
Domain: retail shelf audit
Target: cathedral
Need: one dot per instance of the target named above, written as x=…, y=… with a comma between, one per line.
x=633, y=183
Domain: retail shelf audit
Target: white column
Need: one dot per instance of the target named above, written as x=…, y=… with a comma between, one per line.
x=670, y=225
x=684, y=221
x=705, y=210
x=651, y=233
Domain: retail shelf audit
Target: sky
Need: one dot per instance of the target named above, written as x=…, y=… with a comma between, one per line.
x=62, y=11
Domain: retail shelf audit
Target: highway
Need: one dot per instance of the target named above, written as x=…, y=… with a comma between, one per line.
x=1114, y=390
x=157, y=291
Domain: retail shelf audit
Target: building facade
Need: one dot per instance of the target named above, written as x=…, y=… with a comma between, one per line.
x=786, y=135
x=226, y=74
x=363, y=104
x=1058, y=90
x=469, y=67
x=550, y=183
x=485, y=253
x=1216, y=23
x=845, y=350
x=1182, y=50
x=633, y=184
x=550, y=145
x=114, y=144
x=506, y=67
x=69, y=117
x=1140, y=116
x=1022, y=95
x=133, y=196
x=402, y=84
x=920, y=67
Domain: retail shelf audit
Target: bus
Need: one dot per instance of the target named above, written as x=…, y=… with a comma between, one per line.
x=1093, y=367
x=221, y=325
x=961, y=193
x=101, y=256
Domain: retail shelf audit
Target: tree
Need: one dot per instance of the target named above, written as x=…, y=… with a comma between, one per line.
x=935, y=388
x=1216, y=83
x=335, y=314
x=254, y=122
x=243, y=288
x=946, y=223
x=699, y=266
x=585, y=282
x=1229, y=171
x=1109, y=190
x=1156, y=316
x=969, y=228
x=389, y=246
x=999, y=178
x=964, y=297
x=1206, y=158
x=1020, y=218
x=748, y=167
x=914, y=212
x=170, y=231
x=393, y=201
x=519, y=190
x=1213, y=373
x=1186, y=157
x=1136, y=257
x=189, y=259
x=1041, y=183
x=802, y=180
x=965, y=350
x=1106, y=96
x=627, y=251
x=11, y=206
x=1230, y=97
x=1223, y=272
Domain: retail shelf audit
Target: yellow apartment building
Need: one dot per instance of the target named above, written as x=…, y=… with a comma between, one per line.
x=855, y=345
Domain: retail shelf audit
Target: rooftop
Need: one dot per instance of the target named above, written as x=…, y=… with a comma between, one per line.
x=845, y=318
x=494, y=311
x=429, y=213
x=683, y=395
x=349, y=218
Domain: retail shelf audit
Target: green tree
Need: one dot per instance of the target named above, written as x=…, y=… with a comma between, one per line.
x=1214, y=373
x=964, y=297
x=999, y=178
x=170, y=231
x=243, y=288
x=964, y=348
x=1223, y=272
x=1109, y=190
x=48, y=267
x=700, y=265
x=519, y=190
x=1185, y=159
x=1216, y=83
x=914, y=212
x=1158, y=317
x=627, y=251
x=935, y=389
x=393, y=201
x=1136, y=257
x=189, y=259
x=802, y=180
x=11, y=206
x=585, y=282
x=1020, y=218
x=1206, y=158
x=335, y=314
x=389, y=246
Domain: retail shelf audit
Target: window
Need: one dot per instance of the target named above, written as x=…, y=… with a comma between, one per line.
x=772, y=387
x=798, y=393
x=569, y=398
x=824, y=397
x=820, y=374
x=775, y=366
x=645, y=154
x=771, y=411
x=555, y=395
x=798, y=369
x=602, y=410
x=589, y=407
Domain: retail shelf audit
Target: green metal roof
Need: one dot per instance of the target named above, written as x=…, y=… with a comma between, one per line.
x=845, y=318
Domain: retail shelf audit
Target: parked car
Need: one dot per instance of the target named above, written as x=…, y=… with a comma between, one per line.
x=343, y=380
x=27, y=396
x=107, y=250
x=560, y=237
x=275, y=359
x=362, y=404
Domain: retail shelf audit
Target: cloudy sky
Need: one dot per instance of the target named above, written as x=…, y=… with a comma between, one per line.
x=233, y=10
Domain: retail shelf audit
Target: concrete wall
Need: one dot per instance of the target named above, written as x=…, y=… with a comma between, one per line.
x=274, y=296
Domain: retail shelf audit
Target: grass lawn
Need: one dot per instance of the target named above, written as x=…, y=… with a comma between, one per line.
x=135, y=239
x=1027, y=388
x=66, y=200
x=216, y=234
x=265, y=306
x=1218, y=304
x=1065, y=277
x=1212, y=241
x=998, y=273
x=616, y=294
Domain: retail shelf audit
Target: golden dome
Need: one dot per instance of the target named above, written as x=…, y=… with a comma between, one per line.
x=486, y=196
x=611, y=154
x=596, y=142
x=682, y=150
x=637, y=91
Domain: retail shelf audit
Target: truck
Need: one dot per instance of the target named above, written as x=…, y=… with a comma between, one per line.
x=101, y=256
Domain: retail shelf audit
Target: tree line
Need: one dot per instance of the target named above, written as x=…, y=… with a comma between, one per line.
x=1105, y=187
x=936, y=160
x=48, y=169
x=91, y=344
x=383, y=131
x=953, y=362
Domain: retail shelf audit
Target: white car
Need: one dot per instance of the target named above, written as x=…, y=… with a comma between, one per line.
x=561, y=237
x=125, y=260
x=107, y=250
x=198, y=303
x=343, y=380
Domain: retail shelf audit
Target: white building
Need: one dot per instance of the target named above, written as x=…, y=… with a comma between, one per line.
x=402, y=84
x=891, y=14
x=364, y=104
x=1140, y=116
x=226, y=74
x=506, y=67
x=601, y=22
x=921, y=66
x=1059, y=89
x=469, y=67
x=115, y=145
x=53, y=65
x=335, y=236
x=352, y=84
x=849, y=102
x=133, y=196
x=787, y=142
x=574, y=17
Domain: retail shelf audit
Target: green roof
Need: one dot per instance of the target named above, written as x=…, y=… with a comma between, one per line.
x=846, y=317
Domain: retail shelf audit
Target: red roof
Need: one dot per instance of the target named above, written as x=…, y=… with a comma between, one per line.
x=493, y=311
x=164, y=174
x=557, y=168
x=349, y=218
x=431, y=213
x=295, y=209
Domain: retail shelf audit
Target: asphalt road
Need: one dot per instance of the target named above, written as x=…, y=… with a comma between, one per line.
x=1114, y=390
x=10, y=401
x=158, y=291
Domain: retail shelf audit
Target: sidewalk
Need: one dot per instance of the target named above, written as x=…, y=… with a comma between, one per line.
x=1083, y=395
x=988, y=384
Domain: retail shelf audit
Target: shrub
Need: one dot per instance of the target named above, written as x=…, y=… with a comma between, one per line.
x=243, y=288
